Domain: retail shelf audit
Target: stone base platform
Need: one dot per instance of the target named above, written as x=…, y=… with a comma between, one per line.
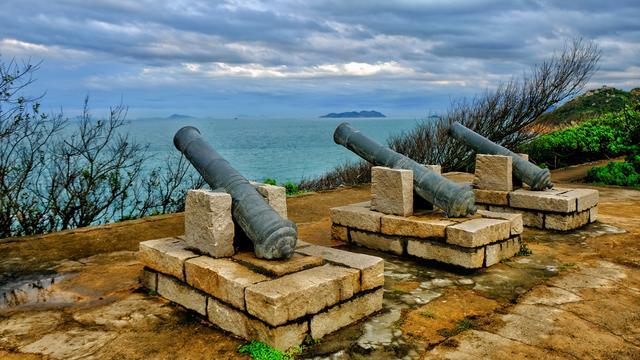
x=473, y=242
x=555, y=209
x=317, y=291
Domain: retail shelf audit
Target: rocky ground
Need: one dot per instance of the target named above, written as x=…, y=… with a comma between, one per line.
x=75, y=295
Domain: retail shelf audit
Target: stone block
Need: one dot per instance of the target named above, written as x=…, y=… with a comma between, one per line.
x=276, y=197
x=392, y=190
x=478, y=232
x=529, y=218
x=517, y=224
x=171, y=289
x=306, y=292
x=470, y=258
x=165, y=255
x=586, y=198
x=240, y=324
x=358, y=216
x=491, y=197
x=208, y=225
x=414, y=226
x=502, y=250
x=149, y=279
x=434, y=168
x=377, y=241
x=345, y=314
x=300, y=243
x=221, y=278
x=339, y=232
x=548, y=200
x=371, y=267
x=565, y=222
x=493, y=172
x=593, y=214
x=278, y=268
x=524, y=156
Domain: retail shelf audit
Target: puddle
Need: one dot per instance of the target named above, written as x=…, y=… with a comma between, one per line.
x=33, y=290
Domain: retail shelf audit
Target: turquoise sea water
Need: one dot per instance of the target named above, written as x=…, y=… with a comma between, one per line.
x=284, y=149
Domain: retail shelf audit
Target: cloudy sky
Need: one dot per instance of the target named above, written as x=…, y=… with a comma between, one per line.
x=299, y=57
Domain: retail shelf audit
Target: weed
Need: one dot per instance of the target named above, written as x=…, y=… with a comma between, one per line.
x=152, y=292
x=261, y=351
x=524, y=249
x=428, y=314
x=461, y=326
x=269, y=181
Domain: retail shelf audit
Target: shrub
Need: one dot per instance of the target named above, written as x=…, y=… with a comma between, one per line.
x=608, y=136
x=615, y=173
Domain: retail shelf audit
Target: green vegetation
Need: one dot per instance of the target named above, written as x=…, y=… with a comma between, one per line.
x=524, y=249
x=461, y=326
x=428, y=314
x=290, y=188
x=608, y=136
x=592, y=104
x=261, y=351
x=625, y=173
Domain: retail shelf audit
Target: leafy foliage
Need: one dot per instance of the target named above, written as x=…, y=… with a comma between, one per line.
x=611, y=135
x=261, y=351
x=625, y=173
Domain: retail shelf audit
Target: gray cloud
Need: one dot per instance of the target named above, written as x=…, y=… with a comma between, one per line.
x=436, y=47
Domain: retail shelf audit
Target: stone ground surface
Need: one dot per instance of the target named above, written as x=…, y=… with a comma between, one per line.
x=76, y=295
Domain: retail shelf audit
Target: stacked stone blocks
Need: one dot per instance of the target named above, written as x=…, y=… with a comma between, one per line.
x=430, y=235
x=554, y=209
x=280, y=302
x=474, y=242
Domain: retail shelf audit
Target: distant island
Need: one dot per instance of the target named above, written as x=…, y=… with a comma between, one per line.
x=179, y=116
x=355, y=114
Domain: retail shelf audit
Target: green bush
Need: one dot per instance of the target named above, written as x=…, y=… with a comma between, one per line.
x=616, y=173
x=261, y=351
x=608, y=136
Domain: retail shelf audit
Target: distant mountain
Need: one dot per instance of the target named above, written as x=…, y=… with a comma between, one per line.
x=179, y=117
x=355, y=114
x=591, y=104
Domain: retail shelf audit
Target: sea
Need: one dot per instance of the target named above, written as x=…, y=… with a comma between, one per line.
x=259, y=148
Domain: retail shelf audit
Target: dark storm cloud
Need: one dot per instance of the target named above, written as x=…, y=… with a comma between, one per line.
x=279, y=47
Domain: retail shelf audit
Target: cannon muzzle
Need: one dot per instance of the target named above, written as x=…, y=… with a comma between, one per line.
x=530, y=174
x=273, y=237
x=456, y=200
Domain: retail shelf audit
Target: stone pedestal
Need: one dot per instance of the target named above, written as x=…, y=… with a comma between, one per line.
x=280, y=302
x=317, y=291
x=392, y=190
x=473, y=242
x=554, y=209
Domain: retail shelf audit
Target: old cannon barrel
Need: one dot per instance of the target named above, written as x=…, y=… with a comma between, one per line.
x=273, y=237
x=528, y=173
x=456, y=200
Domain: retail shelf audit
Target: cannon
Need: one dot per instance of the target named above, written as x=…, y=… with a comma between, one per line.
x=530, y=174
x=456, y=200
x=272, y=236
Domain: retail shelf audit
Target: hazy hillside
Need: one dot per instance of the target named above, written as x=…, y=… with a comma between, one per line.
x=593, y=103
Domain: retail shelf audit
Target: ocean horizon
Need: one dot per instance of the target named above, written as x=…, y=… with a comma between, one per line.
x=285, y=149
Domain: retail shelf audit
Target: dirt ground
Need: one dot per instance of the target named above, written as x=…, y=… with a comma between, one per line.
x=75, y=295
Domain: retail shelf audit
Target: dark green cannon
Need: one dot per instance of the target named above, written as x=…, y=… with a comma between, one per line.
x=530, y=174
x=456, y=200
x=273, y=237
